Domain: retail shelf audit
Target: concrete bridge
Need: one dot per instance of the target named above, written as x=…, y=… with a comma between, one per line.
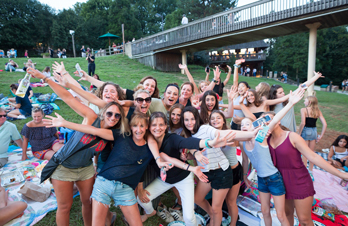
x=260, y=20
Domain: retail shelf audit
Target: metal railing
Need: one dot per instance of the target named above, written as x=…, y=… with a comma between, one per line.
x=258, y=13
x=109, y=51
x=248, y=57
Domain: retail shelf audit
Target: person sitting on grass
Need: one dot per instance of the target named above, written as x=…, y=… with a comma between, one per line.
x=44, y=141
x=9, y=210
x=11, y=66
x=22, y=105
x=8, y=132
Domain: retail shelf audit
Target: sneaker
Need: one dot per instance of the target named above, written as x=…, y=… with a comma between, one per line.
x=21, y=117
x=163, y=213
x=177, y=214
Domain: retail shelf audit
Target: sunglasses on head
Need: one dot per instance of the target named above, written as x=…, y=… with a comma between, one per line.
x=3, y=115
x=141, y=100
x=109, y=115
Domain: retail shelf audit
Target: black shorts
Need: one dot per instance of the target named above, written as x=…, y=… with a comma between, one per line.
x=220, y=179
x=235, y=126
x=343, y=163
x=237, y=174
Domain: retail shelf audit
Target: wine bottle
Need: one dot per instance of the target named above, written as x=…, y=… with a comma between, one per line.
x=23, y=86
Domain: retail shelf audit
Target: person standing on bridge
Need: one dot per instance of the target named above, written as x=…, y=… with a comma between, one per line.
x=184, y=19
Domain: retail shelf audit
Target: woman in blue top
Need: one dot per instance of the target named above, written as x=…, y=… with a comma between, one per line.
x=270, y=181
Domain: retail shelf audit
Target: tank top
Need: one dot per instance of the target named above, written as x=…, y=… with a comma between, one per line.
x=261, y=159
x=310, y=122
x=339, y=155
x=231, y=154
x=258, y=114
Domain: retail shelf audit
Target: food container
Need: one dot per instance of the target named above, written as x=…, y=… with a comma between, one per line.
x=11, y=177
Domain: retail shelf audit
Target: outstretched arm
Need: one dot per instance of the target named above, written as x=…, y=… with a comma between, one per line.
x=236, y=75
x=294, y=98
x=228, y=75
x=230, y=94
x=78, y=107
x=189, y=76
x=90, y=79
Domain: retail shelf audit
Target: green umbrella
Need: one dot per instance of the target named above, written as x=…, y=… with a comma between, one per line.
x=108, y=35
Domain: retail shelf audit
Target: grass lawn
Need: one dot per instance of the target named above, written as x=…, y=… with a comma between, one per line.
x=127, y=73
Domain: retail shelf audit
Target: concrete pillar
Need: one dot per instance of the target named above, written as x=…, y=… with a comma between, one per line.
x=312, y=51
x=183, y=59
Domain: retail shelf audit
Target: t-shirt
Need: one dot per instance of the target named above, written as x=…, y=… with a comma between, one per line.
x=8, y=132
x=184, y=20
x=78, y=140
x=90, y=61
x=216, y=157
x=28, y=91
x=127, y=161
x=40, y=138
x=130, y=113
x=171, y=145
x=157, y=105
x=218, y=90
x=187, y=104
x=25, y=104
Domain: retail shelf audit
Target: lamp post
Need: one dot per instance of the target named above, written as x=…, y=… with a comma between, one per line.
x=160, y=15
x=73, y=42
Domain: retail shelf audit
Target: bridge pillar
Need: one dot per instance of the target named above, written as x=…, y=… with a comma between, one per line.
x=312, y=51
x=184, y=59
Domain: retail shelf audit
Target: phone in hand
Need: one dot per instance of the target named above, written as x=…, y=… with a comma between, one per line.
x=261, y=135
x=207, y=69
x=259, y=121
x=78, y=68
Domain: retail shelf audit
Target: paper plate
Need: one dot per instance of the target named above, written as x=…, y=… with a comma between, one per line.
x=176, y=223
x=200, y=219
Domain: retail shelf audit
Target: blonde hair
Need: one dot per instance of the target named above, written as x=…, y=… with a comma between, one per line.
x=313, y=105
x=264, y=89
x=122, y=124
x=140, y=89
x=200, y=85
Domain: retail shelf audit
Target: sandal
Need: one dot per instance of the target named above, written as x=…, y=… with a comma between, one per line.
x=177, y=205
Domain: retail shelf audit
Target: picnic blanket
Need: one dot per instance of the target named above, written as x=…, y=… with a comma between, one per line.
x=35, y=210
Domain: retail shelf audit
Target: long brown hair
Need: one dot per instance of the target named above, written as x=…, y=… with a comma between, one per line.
x=264, y=89
x=156, y=92
x=273, y=95
x=257, y=101
x=99, y=92
x=313, y=105
x=198, y=119
x=140, y=117
x=175, y=106
x=204, y=109
x=224, y=127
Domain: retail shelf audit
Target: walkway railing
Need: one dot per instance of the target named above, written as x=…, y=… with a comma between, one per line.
x=247, y=57
x=258, y=13
x=109, y=51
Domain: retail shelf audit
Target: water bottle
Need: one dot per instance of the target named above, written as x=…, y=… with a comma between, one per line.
x=23, y=86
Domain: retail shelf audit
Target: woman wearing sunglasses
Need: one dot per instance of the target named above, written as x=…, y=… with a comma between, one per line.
x=78, y=168
x=123, y=168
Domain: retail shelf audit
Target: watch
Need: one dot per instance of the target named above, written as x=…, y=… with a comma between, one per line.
x=216, y=81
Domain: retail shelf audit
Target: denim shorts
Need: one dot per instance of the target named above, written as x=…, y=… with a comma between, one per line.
x=104, y=190
x=26, y=114
x=220, y=179
x=272, y=184
x=309, y=133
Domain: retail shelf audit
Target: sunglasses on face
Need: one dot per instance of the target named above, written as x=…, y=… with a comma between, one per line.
x=109, y=115
x=141, y=100
x=4, y=116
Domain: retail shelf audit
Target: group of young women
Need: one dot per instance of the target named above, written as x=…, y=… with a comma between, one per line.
x=131, y=129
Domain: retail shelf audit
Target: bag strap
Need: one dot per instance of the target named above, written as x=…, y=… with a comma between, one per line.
x=93, y=142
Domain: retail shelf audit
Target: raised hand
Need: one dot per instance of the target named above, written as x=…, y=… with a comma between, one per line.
x=58, y=67
x=240, y=61
x=241, y=100
x=182, y=66
x=62, y=80
x=201, y=176
x=232, y=93
x=201, y=158
x=319, y=74
x=296, y=96
x=84, y=75
x=229, y=68
x=54, y=122
x=35, y=73
x=217, y=73
x=167, y=165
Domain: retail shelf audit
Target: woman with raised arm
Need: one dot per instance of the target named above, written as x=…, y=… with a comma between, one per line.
x=210, y=103
x=286, y=149
x=269, y=179
x=78, y=167
x=123, y=168
x=277, y=91
x=180, y=176
x=219, y=86
x=217, y=170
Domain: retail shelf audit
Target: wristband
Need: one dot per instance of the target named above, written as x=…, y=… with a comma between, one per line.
x=194, y=153
x=45, y=79
x=237, y=66
x=158, y=157
x=245, y=174
x=188, y=166
x=206, y=143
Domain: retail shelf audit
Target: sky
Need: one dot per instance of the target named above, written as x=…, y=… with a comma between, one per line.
x=66, y=4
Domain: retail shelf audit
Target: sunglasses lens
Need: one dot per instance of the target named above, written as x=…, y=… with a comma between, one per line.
x=148, y=99
x=108, y=114
x=4, y=116
x=117, y=116
x=140, y=100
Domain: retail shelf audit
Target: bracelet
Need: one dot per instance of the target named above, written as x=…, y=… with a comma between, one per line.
x=194, y=153
x=206, y=143
x=188, y=166
x=65, y=73
x=245, y=174
x=158, y=157
x=45, y=79
x=237, y=66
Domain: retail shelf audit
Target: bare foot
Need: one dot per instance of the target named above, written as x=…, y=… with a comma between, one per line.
x=145, y=216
